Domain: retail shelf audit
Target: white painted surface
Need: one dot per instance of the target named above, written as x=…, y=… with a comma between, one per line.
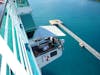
x=3, y=63
x=48, y=31
x=11, y=60
x=24, y=10
x=42, y=59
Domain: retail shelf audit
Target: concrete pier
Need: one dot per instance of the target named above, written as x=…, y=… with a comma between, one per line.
x=83, y=43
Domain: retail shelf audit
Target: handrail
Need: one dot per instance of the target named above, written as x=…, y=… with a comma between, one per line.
x=23, y=39
x=17, y=67
x=10, y=58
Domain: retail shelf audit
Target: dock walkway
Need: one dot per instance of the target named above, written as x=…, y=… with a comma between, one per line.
x=87, y=46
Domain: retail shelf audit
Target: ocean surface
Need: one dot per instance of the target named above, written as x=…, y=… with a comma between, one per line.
x=83, y=18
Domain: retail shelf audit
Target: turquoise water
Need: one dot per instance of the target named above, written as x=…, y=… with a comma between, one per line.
x=83, y=18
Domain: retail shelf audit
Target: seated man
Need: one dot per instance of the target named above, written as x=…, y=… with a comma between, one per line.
x=46, y=47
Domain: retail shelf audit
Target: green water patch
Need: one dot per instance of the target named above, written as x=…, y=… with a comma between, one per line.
x=10, y=40
x=28, y=22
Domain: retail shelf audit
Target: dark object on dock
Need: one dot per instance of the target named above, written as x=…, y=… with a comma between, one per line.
x=81, y=44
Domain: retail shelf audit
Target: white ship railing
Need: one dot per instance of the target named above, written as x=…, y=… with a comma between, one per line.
x=27, y=64
x=10, y=59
